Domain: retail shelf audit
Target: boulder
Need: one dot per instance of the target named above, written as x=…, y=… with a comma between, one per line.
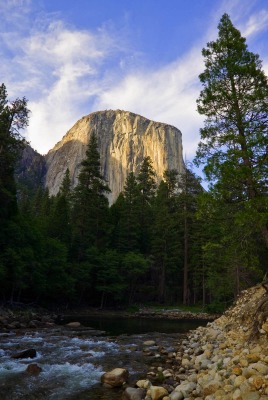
x=30, y=353
x=74, y=324
x=115, y=378
x=33, y=369
x=143, y=383
x=149, y=343
x=133, y=394
x=185, y=388
x=157, y=392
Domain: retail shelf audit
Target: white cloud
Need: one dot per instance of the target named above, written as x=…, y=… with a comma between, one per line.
x=166, y=95
x=256, y=23
x=67, y=72
x=57, y=68
x=65, y=62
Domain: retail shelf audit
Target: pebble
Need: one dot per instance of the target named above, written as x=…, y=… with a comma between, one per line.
x=221, y=361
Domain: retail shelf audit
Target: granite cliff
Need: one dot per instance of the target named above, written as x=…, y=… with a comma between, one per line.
x=31, y=170
x=124, y=140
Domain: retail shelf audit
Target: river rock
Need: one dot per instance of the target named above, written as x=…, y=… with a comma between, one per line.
x=255, y=369
x=143, y=383
x=176, y=396
x=133, y=394
x=74, y=324
x=33, y=369
x=157, y=392
x=185, y=388
x=228, y=359
x=30, y=353
x=115, y=378
x=149, y=343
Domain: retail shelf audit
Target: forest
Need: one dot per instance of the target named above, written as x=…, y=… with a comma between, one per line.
x=168, y=243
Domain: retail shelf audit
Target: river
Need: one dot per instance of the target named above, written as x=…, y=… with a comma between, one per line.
x=73, y=361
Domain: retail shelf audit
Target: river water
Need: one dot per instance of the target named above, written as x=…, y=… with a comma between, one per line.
x=73, y=361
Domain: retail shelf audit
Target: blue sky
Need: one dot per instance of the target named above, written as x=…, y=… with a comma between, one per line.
x=70, y=58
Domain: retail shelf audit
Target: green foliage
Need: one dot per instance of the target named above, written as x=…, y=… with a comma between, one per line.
x=89, y=204
x=147, y=186
x=233, y=149
x=134, y=269
x=169, y=243
x=166, y=246
x=234, y=140
x=109, y=278
x=13, y=118
x=126, y=217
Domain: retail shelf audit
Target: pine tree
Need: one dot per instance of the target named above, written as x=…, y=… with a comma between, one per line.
x=126, y=208
x=229, y=255
x=234, y=140
x=166, y=249
x=65, y=188
x=60, y=216
x=189, y=190
x=13, y=118
x=147, y=187
x=90, y=205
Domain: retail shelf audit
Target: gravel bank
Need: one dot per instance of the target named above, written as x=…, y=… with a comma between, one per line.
x=226, y=360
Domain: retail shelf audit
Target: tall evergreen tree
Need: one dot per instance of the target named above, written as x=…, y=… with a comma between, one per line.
x=147, y=187
x=13, y=118
x=234, y=140
x=127, y=208
x=65, y=188
x=60, y=216
x=166, y=249
x=229, y=255
x=189, y=190
x=90, y=205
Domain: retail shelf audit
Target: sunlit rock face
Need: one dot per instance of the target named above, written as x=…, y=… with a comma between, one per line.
x=124, y=140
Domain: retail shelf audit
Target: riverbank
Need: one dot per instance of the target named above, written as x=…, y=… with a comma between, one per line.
x=226, y=360
x=14, y=319
x=37, y=318
x=144, y=312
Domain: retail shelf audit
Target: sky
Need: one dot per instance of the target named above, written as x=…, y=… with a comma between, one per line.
x=70, y=58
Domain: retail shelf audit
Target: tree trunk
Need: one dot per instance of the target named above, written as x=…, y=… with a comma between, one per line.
x=203, y=286
x=264, y=232
x=102, y=300
x=162, y=283
x=185, y=264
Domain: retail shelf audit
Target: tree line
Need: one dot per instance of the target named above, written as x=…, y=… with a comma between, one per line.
x=167, y=243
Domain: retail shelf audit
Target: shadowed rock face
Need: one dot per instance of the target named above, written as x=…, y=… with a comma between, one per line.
x=31, y=169
x=124, y=140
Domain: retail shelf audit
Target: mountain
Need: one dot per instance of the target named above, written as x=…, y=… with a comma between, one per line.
x=31, y=170
x=124, y=139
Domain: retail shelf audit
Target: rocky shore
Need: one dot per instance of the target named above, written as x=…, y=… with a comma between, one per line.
x=226, y=360
x=14, y=319
x=174, y=314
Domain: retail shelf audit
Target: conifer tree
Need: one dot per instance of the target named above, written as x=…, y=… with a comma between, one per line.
x=90, y=205
x=166, y=249
x=13, y=118
x=128, y=229
x=60, y=218
x=65, y=188
x=234, y=140
x=147, y=187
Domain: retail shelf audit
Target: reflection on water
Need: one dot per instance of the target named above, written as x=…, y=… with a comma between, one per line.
x=73, y=361
x=117, y=326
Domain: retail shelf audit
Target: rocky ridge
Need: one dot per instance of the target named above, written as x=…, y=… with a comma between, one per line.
x=124, y=139
x=226, y=360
